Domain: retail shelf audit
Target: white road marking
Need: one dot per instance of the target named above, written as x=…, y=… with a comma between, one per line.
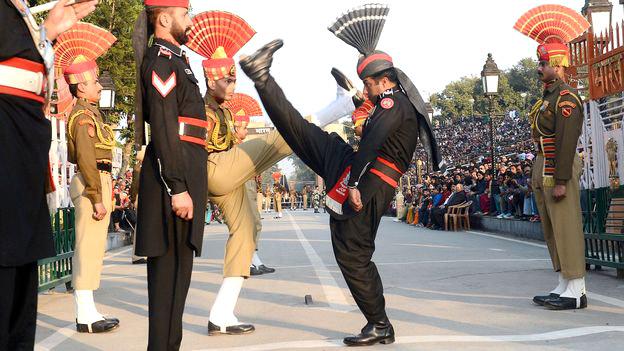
x=333, y=293
x=507, y=239
x=68, y=331
x=604, y=299
x=430, y=246
x=57, y=338
x=421, y=339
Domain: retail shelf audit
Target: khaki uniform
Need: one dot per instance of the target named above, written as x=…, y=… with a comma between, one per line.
x=556, y=124
x=293, y=199
x=259, y=195
x=89, y=144
x=230, y=166
x=304, y=194
x=277, y=197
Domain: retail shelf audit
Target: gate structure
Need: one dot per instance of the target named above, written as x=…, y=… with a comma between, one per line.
x=598, y=72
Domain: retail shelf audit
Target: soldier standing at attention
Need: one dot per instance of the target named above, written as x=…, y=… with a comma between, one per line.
x=556, y=124
x=89, y=145
x=172, y=195
x=26, y=59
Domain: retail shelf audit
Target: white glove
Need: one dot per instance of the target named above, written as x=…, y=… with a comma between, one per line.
x=341, y=107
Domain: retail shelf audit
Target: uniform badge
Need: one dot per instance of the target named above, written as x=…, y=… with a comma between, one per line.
x=544, y=106
x=164, y=52
x=564, y=92
x=91, y=131
x=164, y=87
x=386, y=103
x=188, y=71
x=566, y=112
x=567, y=104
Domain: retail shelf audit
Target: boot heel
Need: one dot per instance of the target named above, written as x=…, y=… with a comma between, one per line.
x=388, y=340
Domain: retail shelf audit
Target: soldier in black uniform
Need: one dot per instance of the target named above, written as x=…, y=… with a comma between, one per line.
x=25, y=135
x=386, y=149
x=172, y=195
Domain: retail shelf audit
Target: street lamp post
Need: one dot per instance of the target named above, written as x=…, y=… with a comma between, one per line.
x=472, y=101
x=489, y=79
x=524, y=99
x=107, y=98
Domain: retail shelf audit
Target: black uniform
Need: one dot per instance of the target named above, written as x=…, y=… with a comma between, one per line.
x=25, y=230
x=171, y=166
x=390, y=133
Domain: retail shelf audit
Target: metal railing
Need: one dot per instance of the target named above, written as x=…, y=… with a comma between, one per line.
x=604, y=244
x=57, y=270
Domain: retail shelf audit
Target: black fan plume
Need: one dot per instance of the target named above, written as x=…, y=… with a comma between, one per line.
x=361, y=27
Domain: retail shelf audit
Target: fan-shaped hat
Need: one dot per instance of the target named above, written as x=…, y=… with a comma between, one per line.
x=243, y=107
x=77, y=49
x=361, y=28
x=552, y=26
x=217, y=36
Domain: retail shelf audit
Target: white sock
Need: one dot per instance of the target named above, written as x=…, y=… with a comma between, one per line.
x=563, y=284
x=341, y=107
x=222, y=311
x=575, y=289
x=255, y=260
x=86, y=312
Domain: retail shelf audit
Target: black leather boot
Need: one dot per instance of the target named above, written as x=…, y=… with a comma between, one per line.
x=101, y=326
x=238, y=329
x=566, y=303
x=541, y=299
x=256, y=66
x=346, y=84
x=266, y=269
x=372, y=333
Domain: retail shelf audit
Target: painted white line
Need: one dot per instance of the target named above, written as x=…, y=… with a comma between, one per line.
x=68, y=331
x=333, y=293
x=431, y=246
x=57, y=338
x=507, y=239
x=427, y=262
x=107, y=257
x=421, y=339
x=606, y=299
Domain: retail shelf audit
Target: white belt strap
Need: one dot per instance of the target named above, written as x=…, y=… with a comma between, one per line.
x=23, y=79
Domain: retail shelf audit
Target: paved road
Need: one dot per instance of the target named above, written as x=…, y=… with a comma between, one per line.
x=444, y=291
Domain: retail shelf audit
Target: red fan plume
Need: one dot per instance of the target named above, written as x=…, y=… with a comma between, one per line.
x=213, y=29
x=64, y=100
x=83, y=39
x=243, y=105
x=552, y=24
x=276, y=176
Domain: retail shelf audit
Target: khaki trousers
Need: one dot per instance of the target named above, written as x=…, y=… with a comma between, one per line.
x=259, y=201
x=227, y=173
x=91, y=235
x=305, y=202
x=562, y=221
x=278, y=203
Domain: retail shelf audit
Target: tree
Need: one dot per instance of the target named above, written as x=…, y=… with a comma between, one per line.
x=302, y=171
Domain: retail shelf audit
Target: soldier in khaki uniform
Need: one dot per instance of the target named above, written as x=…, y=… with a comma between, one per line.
x=556, y=124
x=304, y=195
x=278, y=189
x=230, y=163
x=89, y=145
x=259, y=195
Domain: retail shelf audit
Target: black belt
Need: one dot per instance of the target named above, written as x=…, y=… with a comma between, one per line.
x=387, y=171
x=105, y=167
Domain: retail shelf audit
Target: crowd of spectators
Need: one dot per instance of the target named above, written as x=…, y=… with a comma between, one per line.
x=123, y=217
x=464, y=145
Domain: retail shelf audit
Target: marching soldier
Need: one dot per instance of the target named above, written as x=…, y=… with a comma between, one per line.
x=89, y=145
x=26, y=58
x=304, y=195
x=293, y=198
x=556, y=124
x=259, y=194
x=172, y=195
x=278, y=189
x=363, y=182
x=230, y=163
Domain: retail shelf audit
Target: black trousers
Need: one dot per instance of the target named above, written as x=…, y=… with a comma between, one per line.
x=438, y=216
x=18, y=307
x=353, y=239
x=168, y=281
